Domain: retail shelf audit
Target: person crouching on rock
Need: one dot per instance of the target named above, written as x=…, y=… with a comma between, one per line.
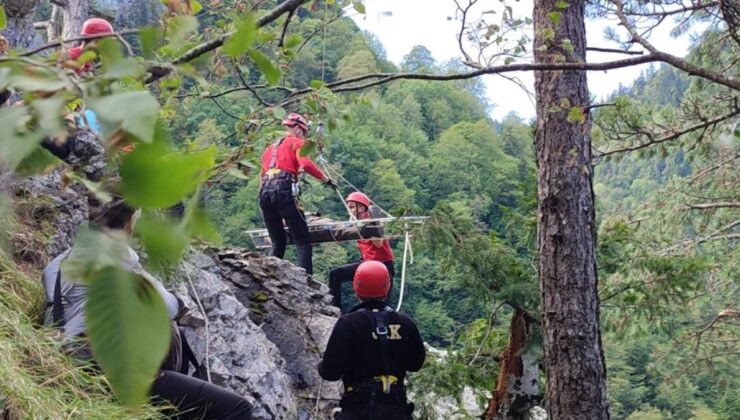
x=66, y=298
x=372, y=249
x=370, y=349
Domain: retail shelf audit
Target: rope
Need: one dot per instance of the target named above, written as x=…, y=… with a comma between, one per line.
x=406, y=250
x=318, y=399
x=321, y=161
x=205, y=318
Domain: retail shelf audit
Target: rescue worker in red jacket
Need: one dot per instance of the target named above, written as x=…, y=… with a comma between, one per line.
x=279, y=190
x=373, y=249
x=370, y=349
x=94, y=26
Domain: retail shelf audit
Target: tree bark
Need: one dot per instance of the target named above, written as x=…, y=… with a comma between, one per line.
x=517, y=388
x=574, y=361
x=19, y=29
x=74, y=14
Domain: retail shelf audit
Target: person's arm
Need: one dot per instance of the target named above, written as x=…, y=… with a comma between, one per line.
x=336, y=357
x=418, y=352
x=307, y=164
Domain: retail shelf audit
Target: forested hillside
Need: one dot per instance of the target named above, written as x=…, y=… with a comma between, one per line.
x=663, y=164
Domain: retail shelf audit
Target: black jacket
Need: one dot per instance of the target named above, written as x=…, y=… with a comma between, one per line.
x=353, y=355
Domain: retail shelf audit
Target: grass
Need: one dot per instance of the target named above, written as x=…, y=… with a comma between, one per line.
x=37, y=380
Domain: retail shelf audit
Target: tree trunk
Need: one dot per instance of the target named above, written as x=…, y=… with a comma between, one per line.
x=75, y=13
x=517, y=388
x=574, y=361
x=19, y=26
x=56, y=24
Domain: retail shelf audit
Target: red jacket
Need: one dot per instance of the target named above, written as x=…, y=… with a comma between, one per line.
x=288, y=159
x=75, y=53
x=372, y=253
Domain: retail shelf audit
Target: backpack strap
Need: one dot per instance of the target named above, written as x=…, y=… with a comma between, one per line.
x=57, y=308
x=273, y=158
x=380, y=321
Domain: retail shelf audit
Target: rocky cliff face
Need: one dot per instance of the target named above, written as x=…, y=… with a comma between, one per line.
x=266, y=324
x=258, y=324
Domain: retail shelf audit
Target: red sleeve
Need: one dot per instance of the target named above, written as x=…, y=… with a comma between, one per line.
x=307, y=164
x=265, y=160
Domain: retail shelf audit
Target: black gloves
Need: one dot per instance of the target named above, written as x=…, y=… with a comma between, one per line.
x=331, y=184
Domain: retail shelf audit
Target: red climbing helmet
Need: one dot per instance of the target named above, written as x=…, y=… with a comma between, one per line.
x=372, y=280
x=359, y=197
x=294, y=119
x=96, y=26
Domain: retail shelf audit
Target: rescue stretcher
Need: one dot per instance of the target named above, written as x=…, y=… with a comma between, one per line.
x=322, y=230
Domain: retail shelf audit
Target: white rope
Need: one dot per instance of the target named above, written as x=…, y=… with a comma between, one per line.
x=205, y=318
x=406, y=249
x=343, y=179
x=318, y=399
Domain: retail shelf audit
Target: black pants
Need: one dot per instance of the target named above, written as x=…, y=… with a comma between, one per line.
x=345, y=273
x=277, y=204
x=198, y=399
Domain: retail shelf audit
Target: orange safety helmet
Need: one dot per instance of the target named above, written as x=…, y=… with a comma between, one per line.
x=372, y=280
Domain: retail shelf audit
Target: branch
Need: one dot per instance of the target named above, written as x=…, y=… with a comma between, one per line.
x=468, y=61
x=679, y=63
x=246, y=85
x=616, y=51
x=195, y=52
x=61, y=3
x=82, y=38
x=683, y=9
x=672, y=136
x=713, y=167
x=705, y=206
x=711, y=237
x=285, y=28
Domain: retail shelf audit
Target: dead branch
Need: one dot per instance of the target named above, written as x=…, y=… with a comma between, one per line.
x=57, y=44
x=714, y=167
x=706, y=206
x=679, y=63
x=616, y=51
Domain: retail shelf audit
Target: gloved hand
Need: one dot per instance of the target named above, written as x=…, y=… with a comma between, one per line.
x=331, y=184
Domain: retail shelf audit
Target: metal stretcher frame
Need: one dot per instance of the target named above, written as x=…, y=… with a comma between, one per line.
x=341, y=231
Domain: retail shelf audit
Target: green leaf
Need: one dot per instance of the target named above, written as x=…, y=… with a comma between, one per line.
x=508, y=60
x=278, y=113
x=135, y=112
x=154, y=177
x=195, y=7
x=197, y=224
x=293, y=40
x=48, y=113
x=236, y=173
x=548, y=34
x=129, y=331
x=163, y=241
x=3, y=18
x=124, y=68
x=93, y=251
x=555, y=17
x=242, y=39
x=110, y=52
x=567, y=45
x=308, y=149
x=16, y=142
x=317, y=84
x=576, y=115
x=150, y=39
x=267, y=68
x=359, y=7
x=179, y=28
x=39, y=161
x=561, y=4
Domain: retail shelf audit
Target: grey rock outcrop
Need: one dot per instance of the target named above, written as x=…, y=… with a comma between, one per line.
x=268, y=323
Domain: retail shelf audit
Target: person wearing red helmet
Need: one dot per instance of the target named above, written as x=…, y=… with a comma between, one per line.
x=373, y=249
x=278, y=192
x=371, y=348
x=94, y=26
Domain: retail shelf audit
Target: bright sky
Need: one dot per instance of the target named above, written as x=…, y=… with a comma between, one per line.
x=425, y=22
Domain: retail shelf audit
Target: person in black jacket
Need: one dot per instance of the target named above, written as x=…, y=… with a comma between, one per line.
x=370, y=349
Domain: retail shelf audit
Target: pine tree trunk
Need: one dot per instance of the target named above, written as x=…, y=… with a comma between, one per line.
x=574, y=362
x=19, y=26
